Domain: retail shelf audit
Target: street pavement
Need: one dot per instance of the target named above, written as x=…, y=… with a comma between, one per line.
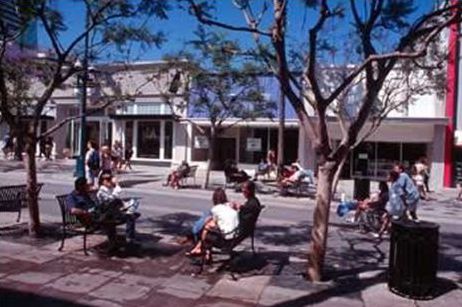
x=34, y=273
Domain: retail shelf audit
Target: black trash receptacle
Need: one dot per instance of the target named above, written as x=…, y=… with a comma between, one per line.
x=413, y=259
x=361, y=189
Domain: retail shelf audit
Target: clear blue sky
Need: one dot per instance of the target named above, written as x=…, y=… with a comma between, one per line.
x=180, y=26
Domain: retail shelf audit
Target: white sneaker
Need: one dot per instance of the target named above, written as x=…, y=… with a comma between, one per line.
x=351, y=220
x=376, y=235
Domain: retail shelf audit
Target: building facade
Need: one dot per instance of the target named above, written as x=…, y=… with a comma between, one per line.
x=143, y=116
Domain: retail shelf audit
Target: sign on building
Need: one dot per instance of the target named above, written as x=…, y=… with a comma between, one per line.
x=458, y=138
x=201, y=142
x=253, y=144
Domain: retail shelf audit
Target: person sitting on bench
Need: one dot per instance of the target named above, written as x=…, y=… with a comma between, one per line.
x=87, y=211
x=223, y=219
x=174, y=178
x=109, y=196
x=233, y=173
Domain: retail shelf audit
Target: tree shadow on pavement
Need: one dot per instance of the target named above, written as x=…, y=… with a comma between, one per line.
x=178, y=224
x=129, y=183
x=13, y=298
x=19, y=233
x=284, y=235
x=149, y=247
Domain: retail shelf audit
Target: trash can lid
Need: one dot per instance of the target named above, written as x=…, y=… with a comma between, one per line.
x=413, y=225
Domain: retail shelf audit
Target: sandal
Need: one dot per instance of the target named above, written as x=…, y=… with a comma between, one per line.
x=191, y=254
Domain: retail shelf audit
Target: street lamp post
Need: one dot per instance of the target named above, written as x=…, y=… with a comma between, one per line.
x=82, y=87
x=82, y=80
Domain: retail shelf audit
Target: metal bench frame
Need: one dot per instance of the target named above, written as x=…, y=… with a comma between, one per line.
x=227, y=246
x=191, y=174
x=14, y=197
x=70, y=222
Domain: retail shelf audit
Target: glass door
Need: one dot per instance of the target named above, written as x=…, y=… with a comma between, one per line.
x=148, y=140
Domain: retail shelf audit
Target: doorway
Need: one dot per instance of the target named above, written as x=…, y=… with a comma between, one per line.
x=225, y=149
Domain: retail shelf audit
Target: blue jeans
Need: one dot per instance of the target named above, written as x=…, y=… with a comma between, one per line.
x=199, y=224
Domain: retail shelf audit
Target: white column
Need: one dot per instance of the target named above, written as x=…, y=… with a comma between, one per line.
x=118, y=131
x=306, y=153
x=189, y=142
x=435, y=154
x=162, y=140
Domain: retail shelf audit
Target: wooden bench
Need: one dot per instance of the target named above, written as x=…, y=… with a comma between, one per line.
x=216, y=240
x=71, y=224
x=14, y=197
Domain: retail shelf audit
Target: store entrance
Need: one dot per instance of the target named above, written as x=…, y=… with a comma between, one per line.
x=225, y=149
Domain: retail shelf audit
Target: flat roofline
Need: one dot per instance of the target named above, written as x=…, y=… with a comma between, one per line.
x=292, y=121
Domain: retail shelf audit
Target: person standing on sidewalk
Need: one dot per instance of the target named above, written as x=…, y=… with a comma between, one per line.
x=411, y=194
x=92, y=163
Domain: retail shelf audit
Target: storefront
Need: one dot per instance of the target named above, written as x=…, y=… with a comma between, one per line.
x=398, y=140
x=376, y=159
x=151, y=137
x=247, y=143
x=98, y=129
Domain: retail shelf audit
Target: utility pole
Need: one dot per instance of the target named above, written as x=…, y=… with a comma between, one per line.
x=82, y=80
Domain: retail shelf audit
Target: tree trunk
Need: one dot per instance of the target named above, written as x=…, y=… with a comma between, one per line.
x=210, y=158
x=282, y=118
x=31, y=173
x=338, y=174
x=318, y=246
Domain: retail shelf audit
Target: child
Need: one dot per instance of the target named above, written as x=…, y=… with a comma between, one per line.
x=395, y=205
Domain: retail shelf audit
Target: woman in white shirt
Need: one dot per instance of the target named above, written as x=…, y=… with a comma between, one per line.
x=224, y=218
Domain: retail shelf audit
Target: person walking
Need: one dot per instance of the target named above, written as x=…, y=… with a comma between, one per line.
x=411, y=194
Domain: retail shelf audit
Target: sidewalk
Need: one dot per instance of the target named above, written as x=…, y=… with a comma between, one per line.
x=159, y=275
x=34, y=273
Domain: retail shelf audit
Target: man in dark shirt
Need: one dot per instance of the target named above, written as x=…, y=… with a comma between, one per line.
x=249, y=211
x=79, y=202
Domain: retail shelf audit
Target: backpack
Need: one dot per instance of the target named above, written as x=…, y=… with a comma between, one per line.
x=93, y=162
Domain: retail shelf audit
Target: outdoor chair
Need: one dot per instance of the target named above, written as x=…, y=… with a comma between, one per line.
x=216, y=239
x=14, y=197
x=191, y=174
x=303, y=186
x=72, y=225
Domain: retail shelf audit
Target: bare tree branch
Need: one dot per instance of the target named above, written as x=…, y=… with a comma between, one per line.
x=201, y=18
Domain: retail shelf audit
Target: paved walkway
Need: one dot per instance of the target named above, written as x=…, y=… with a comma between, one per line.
x=34, y=273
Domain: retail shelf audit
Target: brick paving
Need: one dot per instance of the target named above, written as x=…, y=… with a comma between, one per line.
x=34, y=273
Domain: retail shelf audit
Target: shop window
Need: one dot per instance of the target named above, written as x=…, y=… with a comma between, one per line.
x=168, y=140
x=364, y=160
x=149, y=140
x=128, y=134
x=388, y=154
x=412, y=153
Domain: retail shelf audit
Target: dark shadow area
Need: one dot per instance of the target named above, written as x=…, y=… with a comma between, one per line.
x=444, y=286
x=173, y=224
x=54, y=168
x=129, y=183
x=191, y=186
x=148, y=247
x=283, y=235
x=350, y=287
x=15, y=298
x=19, y=233
x=450, y=249
x=244, y=264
